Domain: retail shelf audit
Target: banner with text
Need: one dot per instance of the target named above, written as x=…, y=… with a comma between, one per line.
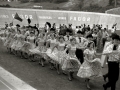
x=59, y=17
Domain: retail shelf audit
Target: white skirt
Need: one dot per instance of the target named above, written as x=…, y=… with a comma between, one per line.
x=90, y=69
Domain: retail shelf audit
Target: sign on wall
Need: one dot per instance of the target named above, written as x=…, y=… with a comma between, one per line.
x=59, y=17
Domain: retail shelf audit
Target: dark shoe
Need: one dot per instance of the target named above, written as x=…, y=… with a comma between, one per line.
x=64, y=73
x=33, y=60
x=104, y=77
x=88, y=87
x=69, y=76
x=104, y=86
x=72, y=75
x=39, y=63
x=42, y=63
x=51, y=66
x=58, y=72
x=58, y=69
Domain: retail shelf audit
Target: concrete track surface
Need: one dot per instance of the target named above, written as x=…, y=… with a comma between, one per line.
x=42, y=78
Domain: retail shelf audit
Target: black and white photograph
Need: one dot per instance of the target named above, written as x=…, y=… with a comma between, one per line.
x=59, y=44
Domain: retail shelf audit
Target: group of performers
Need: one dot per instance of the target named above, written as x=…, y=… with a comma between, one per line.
x=67, y=53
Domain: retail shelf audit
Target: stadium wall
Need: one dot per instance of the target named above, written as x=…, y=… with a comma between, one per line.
x=58, y=17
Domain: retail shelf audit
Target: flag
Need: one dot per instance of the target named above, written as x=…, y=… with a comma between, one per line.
x=48, y=23
x=29, y=21
x=18, y=18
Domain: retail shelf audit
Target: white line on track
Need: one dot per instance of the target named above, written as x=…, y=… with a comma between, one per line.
x=5, y=85
x=14, y=81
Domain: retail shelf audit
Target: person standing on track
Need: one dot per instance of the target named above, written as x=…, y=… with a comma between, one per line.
x=113, y=63
x=91, y=67
x=79, y=51
x=99, y=39
x=104, y=36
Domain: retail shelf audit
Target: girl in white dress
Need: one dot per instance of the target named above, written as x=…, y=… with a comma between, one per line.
x=91, y=67
x=42, y=47
x=10, y=41
x=71, y=64
x=60, y=55
x=3, y=36
x=50, y=43
x=8, y=38
x=19, y=43
x=31, y=40
x=13, y=46
x=28, y=45
x=22, y=41
x=7, y=35
x=37, y=52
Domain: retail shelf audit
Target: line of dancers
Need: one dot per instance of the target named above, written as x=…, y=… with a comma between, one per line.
x=66, y=53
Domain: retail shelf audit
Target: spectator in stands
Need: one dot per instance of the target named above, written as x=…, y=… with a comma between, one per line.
x=6, y=25
x=18, y=27
x=80, y=28
x=94, y=34
x=88, y=27
x=113, y=28
x=104, y=36
x=47, y=26
x=71, y=29
x=54, y=26
x=99, y=38
x=77, y=29
x=67, y=37
x=87, y=32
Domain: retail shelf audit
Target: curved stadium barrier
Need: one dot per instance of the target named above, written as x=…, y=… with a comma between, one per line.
x=59, y=17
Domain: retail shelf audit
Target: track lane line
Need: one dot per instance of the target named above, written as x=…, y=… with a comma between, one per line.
x=5, y=85
x=15, y=82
